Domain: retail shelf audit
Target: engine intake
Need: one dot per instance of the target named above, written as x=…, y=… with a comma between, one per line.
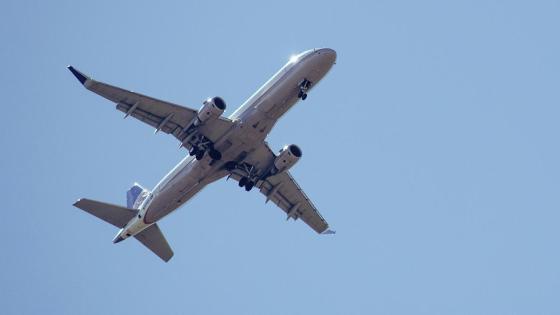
x=288, y=157
x=213, y=108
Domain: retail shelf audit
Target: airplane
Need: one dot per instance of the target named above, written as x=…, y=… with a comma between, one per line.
x=218, y=147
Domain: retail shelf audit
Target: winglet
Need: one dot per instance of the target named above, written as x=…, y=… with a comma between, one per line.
x=329, y=232
x=80, y=76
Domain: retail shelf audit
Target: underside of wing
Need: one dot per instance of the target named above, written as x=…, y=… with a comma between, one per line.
x=163, y=116
x=283, y=190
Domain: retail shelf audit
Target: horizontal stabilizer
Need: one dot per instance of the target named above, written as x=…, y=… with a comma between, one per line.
x=116, y=215
x=156, y=242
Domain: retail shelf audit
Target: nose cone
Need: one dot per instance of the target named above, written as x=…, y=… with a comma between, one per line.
x=327, y=55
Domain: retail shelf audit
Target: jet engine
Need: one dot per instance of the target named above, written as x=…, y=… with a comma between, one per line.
x=212, y=109
x=288, y=156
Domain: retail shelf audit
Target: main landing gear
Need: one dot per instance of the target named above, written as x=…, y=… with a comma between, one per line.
x=199, y=153
x=244, y=181
x=303, y=87
x=247, y=181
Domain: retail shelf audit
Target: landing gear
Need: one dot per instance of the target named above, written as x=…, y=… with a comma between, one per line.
x=249, y=174
x=199, y=145
x=303, y=87
x=249, y=186
x=245, y=182
x=193, y=151
x=230, y=166
x=215, y=154
x=199, y=153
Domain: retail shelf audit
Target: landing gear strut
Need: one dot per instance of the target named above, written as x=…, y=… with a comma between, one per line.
x=303, y=87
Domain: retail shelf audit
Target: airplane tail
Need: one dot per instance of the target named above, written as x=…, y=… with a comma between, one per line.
x=152, y=237
x=136, y=195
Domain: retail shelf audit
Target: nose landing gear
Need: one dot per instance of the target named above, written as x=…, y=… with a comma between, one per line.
x=303, y=87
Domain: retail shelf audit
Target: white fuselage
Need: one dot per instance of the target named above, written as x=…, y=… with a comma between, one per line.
x=253, y=121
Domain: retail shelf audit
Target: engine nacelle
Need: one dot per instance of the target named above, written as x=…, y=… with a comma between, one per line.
x=212, y=109
x=288, y=156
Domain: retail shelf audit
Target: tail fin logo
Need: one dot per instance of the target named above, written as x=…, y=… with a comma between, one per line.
x=135, y=196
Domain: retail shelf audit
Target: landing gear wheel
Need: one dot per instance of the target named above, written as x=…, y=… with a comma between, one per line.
x=249, y=186
x=243, y=181
x=193, y=151
x=215, y=155
x=199, y=155
x=300, y=94
x=304, y=96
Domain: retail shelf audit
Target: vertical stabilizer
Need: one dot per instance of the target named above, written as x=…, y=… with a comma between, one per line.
x=136, y=195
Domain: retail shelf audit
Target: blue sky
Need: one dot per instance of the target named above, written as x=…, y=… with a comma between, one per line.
x=431, y=147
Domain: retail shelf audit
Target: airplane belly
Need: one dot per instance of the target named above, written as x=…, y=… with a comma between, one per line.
x=181, y=188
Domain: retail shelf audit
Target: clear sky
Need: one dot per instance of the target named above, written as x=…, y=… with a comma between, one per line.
x=431, y=147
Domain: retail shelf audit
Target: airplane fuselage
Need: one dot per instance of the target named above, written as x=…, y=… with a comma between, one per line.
x=254, y=119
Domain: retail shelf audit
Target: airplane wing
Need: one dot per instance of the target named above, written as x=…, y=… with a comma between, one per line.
x=283, y=190
x=164, y=116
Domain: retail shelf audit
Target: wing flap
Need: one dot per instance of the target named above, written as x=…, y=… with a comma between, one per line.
x=151, y=119
x=157, y=109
